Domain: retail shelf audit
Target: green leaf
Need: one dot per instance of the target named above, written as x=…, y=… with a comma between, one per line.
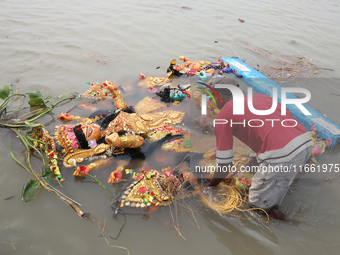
x=4, y=91
x=36, y=102
x=47, y=174
x=35, y=94
x=30, y=190
x=187, y=143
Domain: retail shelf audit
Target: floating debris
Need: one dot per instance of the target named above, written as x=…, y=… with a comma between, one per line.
x=289, y=66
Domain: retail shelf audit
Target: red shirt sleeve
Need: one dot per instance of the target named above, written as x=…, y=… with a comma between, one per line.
x=224, y=136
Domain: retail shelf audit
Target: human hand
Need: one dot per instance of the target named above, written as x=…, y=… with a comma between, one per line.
x=227, y=181
x=203, y=182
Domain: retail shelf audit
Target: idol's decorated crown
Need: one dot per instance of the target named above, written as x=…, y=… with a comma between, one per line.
x=71, y=138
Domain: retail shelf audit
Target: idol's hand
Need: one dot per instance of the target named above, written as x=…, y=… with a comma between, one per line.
x=81, y=171
x=113, y=140
x=109, y=85
x=65, y=116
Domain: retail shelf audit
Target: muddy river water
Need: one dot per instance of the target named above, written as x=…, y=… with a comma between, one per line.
x=58, y=46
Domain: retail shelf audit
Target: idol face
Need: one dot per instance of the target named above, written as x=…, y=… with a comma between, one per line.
x=91, y=132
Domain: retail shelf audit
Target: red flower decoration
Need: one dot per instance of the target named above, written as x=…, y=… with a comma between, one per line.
x=142, y=190
x=51, y=154
x=139, y=177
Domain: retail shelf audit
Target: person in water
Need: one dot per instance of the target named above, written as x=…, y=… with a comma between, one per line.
x=280, y=150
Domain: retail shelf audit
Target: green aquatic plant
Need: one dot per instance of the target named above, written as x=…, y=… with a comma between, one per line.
x=38, y=107
x=35, y=106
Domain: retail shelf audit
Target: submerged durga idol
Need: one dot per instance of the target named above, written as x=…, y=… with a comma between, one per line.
x=126, y=131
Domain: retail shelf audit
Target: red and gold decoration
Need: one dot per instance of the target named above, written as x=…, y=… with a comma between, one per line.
x=152, y=188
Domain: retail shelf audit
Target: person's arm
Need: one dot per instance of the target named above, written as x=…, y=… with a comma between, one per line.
x=221, y=172
x=224, y=148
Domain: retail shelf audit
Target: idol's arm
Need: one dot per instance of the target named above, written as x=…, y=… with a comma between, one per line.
x=117, y=97
x=69, y=117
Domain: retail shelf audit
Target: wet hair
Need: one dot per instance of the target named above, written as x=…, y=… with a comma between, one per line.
x=78, y=131
x=104, y=122
x=165, y=95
